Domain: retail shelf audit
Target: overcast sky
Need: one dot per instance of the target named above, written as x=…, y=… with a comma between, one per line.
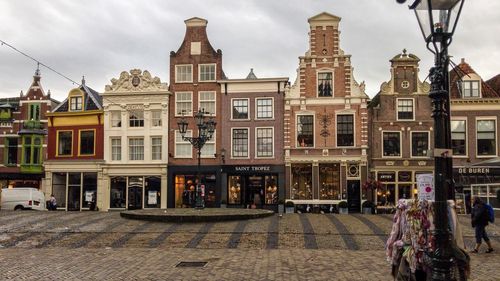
x=101, y=38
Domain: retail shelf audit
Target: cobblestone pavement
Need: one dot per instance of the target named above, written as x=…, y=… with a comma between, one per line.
x=104, y=246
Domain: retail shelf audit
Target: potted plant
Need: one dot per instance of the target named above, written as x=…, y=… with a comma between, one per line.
x=343, y=207
x=223, y=203
x=289, y=207
x=368, y=207
x=281, y=206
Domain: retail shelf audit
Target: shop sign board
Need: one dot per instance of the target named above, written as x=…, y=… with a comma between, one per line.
x=425, y=184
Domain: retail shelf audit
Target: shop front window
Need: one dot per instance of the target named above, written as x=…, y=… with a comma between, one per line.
x=386, y=196
x=405, y=191
x=234, y=190
x=271, y=191
x=59, y=189
x=329, y=179
x=301, y=182
x=117, y=192
x=89, y=189
x=74, y=191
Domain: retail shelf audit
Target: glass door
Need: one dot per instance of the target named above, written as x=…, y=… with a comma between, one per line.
x=135, y=186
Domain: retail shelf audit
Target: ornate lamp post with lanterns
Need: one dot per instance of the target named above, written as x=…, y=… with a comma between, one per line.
x=437, y=20
x=206, y=130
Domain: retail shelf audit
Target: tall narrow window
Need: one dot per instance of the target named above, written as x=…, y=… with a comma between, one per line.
x=116, y=119
x=34, y=113
x=75, y=103
x=486, y=142
x=156, y=118
x=183, y=103
x=136, y=148
x=27, y=143
x=419, y=144
x=265, y=142
x=207, y=102
x=207, y=72
x=116, y=149
x=136, y=118
x=264, y=108
x=301, y=182
x=37, y=151
x=183, y=73
x=345, y=130
x=240, y=109
x=87, y=142
x=240, y=143
x=65, y=143
x=405, y=109
x=183, y=149
x=208, y=150
x=470, y=89
x=156, y=148
x=459, y=137
x=11, y=151
x=392, y=144
x=325, y=84
x=305, y=131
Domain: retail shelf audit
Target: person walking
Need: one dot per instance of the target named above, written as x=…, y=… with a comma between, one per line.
x=52, y=203
x=479, y=220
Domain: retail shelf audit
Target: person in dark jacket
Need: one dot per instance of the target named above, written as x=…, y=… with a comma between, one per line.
x=479, y=220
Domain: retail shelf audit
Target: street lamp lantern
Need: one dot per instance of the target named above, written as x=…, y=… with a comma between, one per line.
x=437, y=20
x=206, y=130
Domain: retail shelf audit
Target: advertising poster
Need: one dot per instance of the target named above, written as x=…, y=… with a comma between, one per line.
x=152, y=198
x=425, y=184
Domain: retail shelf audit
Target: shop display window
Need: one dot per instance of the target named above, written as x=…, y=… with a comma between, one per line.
x=301, y=182
x=234, y=192
x=59, y=188
x=329, y=178
x=271, y=191
x=152, y=186
x=117, y=192
x=89, y=190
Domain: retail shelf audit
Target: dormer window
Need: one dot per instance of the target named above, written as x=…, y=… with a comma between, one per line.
x=470, y=89
x=75, y=103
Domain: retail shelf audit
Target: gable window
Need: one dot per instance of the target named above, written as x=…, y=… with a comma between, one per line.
x=345, y=130
x=32, y=150
x=10, y=151
x=116, y=149
x=264, y=142
x=264, y=108
x=305, y=131
x=240, y=143
x=116, y=119
x=87, y=142
x=419, y=144
x=240, y=109
x=325, y=83
x=136, y=149
x=486, y=143
x=136, y=118
x=183, y=73
x=183, y=149
x=207, y=102
x=156, y=148
x=183, y=103
x=459, y=137
x=34, y=112
x=207, y=72
x=156, y=118
x=392, y=144
x=405, y=109
x=470, y=89
x=64, y=143
x=208, y=150
x=75, y=103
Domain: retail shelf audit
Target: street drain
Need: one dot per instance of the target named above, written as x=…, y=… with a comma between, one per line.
x=192, y=264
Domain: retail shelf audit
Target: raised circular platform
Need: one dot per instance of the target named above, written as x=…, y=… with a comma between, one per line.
x=194, y=215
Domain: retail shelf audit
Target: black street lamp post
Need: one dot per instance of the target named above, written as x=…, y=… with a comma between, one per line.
x=206, y=130
x=438, y=20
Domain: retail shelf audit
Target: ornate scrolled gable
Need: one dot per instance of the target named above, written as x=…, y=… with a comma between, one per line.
x=136, y=81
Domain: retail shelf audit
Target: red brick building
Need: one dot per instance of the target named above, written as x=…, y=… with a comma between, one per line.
x=23, y=136
x=326, y=123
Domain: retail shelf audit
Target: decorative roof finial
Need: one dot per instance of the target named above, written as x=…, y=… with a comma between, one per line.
x=37, y=71
x=83, y=80
x=404, y=51
x=251, y=75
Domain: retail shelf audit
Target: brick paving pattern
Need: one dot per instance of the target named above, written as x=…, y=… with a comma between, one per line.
x=104, y=246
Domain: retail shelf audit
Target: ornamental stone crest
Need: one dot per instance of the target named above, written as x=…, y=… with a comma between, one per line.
x=136, y=81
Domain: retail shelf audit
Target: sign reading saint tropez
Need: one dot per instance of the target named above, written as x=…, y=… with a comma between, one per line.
x=425, y=184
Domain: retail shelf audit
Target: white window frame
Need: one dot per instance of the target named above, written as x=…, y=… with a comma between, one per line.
x=464, y=119
x=212, y=141
x=207, y=64
x=400, y=144
x=177, y=67
x=256, y=143
x=412, y=112
x=113, y=146
x=428, y=143
x=153, y=119
x=189, y=133
x=325, y=70
x=113, y=114
x=71, y=103
x=353, y=129
x=152, y=150
x=257, y=108
x=248, y=143
x=130, y=148
x=487, y=118
x=139, y=111
x=214, y=101
x=177, y=101
x=248, y=109
x=470, y=81
x=297, y=131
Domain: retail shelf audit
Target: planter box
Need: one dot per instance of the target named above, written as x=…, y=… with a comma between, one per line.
x=223, y=205
x=290, y=210
x=367, y=211
x=281, y=209
x=344, y=211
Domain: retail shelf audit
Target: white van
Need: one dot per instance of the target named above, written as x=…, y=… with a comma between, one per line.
x=22, y=198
